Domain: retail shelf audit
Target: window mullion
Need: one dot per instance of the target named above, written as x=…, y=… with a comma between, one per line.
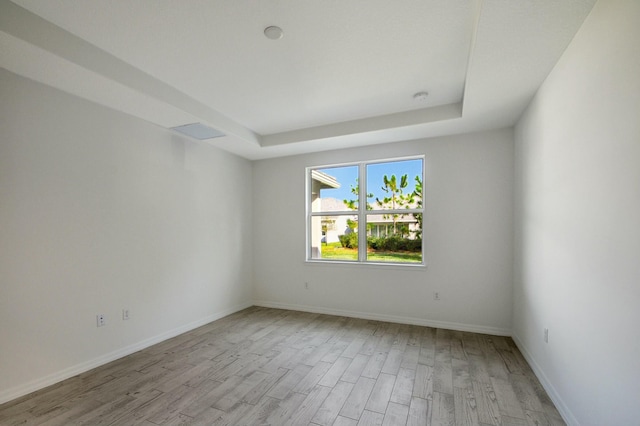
x=362, y=212
x=309, y=210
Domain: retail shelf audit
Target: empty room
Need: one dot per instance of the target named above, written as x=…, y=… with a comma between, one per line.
x=414, y=212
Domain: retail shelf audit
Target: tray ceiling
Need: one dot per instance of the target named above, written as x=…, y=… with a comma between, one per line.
x=344, y=73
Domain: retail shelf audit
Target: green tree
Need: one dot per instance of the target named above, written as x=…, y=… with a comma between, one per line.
x=416, y=197
x=396, y=200
x=395, y=197
x=353, y=204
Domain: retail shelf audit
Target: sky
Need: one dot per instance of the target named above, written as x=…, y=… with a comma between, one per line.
x=347, y=177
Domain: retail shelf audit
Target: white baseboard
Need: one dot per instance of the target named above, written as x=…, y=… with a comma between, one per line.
x=34, y=385
x=565, y=412
x=387, y=318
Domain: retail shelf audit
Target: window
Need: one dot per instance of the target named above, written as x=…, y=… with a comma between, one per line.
x=377, y=222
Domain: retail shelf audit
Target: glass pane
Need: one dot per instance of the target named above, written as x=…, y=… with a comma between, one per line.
x=334, y=189
x=334, y=237
x=394, y=238
x=394, y=185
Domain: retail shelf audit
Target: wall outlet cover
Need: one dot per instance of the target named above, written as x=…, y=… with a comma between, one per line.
x=101, y=320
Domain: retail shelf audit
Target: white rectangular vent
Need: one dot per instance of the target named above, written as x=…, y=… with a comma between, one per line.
x=198, y=131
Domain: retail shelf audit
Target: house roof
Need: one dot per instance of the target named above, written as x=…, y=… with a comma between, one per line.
x=326, y=181
x=329, y=204
x=343, y=75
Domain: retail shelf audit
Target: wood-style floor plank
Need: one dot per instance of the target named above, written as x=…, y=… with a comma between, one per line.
x=371, y=418
x=270, y=366
x=354, y=405
x=419, y=412
x=396, y=414
x=381, y=393
x=403, y=387
x=443, y=412
x=466, y=412
x=328, y=411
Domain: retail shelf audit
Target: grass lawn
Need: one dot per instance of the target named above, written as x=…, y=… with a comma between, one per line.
x=336, y=252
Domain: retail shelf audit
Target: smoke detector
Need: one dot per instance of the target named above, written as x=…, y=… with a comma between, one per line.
x=273, y=32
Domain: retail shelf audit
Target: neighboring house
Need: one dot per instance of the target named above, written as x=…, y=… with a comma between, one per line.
x=334, y=226
x=319, y=181
x=382, y=225
x=378, y=225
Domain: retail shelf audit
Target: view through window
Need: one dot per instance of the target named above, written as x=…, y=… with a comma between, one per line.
x=380, y=221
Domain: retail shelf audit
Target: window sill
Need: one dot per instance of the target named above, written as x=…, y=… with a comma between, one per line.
x=416, y=267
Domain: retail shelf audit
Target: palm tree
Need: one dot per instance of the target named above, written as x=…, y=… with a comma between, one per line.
x=391, y=187
x=417, y=197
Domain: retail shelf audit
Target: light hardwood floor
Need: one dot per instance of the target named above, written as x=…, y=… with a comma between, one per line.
x=266, y=366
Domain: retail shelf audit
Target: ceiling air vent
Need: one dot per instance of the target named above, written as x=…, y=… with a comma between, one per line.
x=198, y=131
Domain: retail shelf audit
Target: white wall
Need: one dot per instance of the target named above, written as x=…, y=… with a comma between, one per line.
x=578, y=223
x=100, y=211
x=468, y=237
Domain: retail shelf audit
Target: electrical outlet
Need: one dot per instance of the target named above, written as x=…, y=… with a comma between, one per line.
x=546, y=335
x=436, y=295
x=125, y=314
x=101, y=320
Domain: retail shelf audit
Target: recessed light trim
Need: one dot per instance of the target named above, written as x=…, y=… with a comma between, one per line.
x=273, y=32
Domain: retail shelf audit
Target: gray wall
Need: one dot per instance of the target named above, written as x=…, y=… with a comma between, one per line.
x=467, y=232
x=100, y=211
x=578, y=223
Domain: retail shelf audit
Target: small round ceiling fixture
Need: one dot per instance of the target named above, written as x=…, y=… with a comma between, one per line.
x=421, y=96
x=273, y=32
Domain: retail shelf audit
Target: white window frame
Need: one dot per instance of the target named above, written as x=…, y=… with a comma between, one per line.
x=361, y=213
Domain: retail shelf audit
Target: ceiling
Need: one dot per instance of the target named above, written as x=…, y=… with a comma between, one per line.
x=344, y=74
